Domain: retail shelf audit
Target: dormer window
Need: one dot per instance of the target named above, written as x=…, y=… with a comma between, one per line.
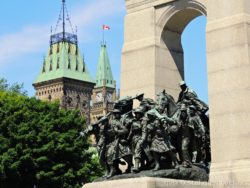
x=69, y=50
x=50, y=66
x=58, y=63
x=69, y=66
x=77, y=65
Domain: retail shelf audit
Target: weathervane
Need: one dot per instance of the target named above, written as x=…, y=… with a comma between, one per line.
x=63, y=5
x=63, y=36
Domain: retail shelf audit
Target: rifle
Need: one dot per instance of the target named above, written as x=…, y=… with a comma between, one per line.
x=139, y=97
x=128, y=98
x=163, y=117
x=94, y=125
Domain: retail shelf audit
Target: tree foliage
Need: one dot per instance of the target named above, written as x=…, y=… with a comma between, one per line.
x=40, y=145
x=14, y=88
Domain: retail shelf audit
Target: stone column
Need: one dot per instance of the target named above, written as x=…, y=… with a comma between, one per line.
x=138, y=56
x=228, y=37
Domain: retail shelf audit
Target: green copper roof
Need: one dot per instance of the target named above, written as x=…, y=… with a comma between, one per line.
x=64, y=60
x=104, y=76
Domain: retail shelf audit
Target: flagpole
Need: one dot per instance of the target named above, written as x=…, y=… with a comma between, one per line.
x=104, y=27
x=102, y=35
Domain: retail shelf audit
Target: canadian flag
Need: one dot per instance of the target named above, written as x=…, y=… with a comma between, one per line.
x=105, y=27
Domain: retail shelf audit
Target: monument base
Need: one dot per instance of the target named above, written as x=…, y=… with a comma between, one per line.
x=148, y=182
x=151, y=182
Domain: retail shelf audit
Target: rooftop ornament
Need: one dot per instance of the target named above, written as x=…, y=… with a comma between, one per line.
x=63, y=36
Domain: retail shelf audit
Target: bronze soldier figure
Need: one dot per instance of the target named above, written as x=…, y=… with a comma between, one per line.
x=191, y=130
x=185, y=137
x=137, y=137
x=100, y=131
x=160, y=141
x=118, y=148
x=188, y=97
x=199, y=133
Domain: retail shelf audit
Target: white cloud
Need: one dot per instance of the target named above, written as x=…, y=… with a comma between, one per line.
x=35, y=38
x=28, y=40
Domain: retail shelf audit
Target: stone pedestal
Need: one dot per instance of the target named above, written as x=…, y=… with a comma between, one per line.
x=147, y=182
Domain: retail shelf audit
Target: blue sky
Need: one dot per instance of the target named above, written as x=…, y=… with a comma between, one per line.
x=25, y=30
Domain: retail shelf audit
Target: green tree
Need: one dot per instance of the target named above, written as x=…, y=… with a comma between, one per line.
x=14, y=88
x=40, y=145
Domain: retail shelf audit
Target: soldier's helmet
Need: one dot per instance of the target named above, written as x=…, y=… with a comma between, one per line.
x=151, y=113
x=116, y=111
x=182, y=83
x=192, y=107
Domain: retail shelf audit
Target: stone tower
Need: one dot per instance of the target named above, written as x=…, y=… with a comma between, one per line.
x=104, y=93
x=64, y=76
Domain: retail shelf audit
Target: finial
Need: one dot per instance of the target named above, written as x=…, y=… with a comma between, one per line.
x=63, y=1
x=63, y=19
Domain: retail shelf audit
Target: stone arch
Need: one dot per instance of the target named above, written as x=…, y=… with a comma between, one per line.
x=175, y=19
x=170, y=11
x=171, y=21
x=150, y=52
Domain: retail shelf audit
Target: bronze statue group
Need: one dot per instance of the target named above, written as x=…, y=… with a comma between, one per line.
x=156, y=135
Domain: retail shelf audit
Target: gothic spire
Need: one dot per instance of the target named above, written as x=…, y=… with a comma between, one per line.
x=64, y=58
x=104, y=76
